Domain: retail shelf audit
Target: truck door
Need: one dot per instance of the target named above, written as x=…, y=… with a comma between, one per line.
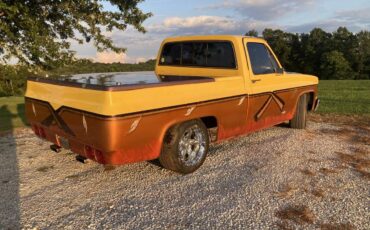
x=267, y=106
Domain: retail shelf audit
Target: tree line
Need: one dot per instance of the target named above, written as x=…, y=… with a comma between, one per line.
x=338, y=55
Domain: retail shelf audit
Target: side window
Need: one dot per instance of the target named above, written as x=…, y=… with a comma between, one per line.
x=171, y=54
x=262, y=60
x=220, y=54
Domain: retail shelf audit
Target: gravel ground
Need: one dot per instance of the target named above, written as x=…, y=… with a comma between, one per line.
x=277, y=178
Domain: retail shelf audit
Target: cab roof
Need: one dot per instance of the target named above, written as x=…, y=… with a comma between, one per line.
x=211, y=38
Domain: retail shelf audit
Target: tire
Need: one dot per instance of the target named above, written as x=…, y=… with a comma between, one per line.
x=300, y=117
x=185, y=147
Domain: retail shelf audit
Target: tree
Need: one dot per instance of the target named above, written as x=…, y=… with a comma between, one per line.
x=311, y=53
x=346, y=42
x=252, y=33
x=39, y=32
x=335, y=66
x=12, y=79
x=318, y=43
x=280, y=41
x=364, y=54
x=297, y=62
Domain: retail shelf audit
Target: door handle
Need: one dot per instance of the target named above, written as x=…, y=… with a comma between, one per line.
x=256, y=80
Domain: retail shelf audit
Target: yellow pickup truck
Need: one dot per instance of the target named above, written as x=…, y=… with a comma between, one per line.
x=204, y=89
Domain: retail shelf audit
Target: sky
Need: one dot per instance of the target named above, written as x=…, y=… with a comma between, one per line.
x=196, y=17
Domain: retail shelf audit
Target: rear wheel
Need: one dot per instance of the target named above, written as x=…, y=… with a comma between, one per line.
x=300, y=117
x=185, y=147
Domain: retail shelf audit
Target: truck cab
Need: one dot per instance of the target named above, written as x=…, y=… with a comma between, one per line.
x=247, y=63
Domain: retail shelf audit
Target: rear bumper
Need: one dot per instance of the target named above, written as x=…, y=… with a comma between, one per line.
x=71, y=144
x=106, y=140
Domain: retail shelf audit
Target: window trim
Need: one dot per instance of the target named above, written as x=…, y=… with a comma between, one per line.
x=195, y=66
x=273, y=59
x=269, y=55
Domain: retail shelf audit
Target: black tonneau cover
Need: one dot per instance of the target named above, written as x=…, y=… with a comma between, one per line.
x=120, y=81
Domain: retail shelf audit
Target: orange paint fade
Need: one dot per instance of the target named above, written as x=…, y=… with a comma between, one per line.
x=132, y=138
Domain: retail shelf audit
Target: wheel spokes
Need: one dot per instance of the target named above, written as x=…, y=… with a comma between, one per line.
x=191, y=145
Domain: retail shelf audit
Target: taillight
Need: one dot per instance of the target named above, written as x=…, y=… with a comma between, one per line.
x=89, y=152
x=94, y=154
x=99, y=157
x=36, y=130
x=42, y=132
x=39, y=131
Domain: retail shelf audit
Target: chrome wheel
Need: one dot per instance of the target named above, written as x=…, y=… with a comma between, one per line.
x=192, y=146
x=185, y=147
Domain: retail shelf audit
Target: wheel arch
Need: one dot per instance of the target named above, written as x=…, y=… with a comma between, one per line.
x=171, y=140
x=311, y=97
x=210, y=121
x=311, y=101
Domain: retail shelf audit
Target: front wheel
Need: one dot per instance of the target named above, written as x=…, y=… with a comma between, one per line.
x=300, y=117
x=185, y=147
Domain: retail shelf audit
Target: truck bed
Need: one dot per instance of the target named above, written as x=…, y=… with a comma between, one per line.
x=126, y=93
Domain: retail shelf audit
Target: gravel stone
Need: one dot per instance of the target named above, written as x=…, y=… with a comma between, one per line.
x=243, y=184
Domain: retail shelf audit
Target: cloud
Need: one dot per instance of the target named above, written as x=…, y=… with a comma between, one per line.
x=359, y=17
x=263, y=9
x=205, y=24
x=355, y=20
x=142, y=47
x=193, y=25
x=328, y=25
x=142, y=59
x=211, y=22
x=110, y=57
x=139, y=46
x=251, y=14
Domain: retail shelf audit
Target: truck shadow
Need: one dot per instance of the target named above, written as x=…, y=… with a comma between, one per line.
x=284, y=125
x=155, y=162
x=22, y=114
x=9, y=176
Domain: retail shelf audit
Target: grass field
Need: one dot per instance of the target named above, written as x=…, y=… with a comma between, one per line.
x=337, y=97
x=345, y=97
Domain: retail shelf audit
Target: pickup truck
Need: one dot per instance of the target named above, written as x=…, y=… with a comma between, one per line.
x=204, y=89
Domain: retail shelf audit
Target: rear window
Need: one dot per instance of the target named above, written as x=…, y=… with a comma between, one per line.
x=199, y=54
x=171, y=54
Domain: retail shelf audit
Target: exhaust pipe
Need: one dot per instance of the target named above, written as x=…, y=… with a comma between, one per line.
x=81, y=159
x=56, y=148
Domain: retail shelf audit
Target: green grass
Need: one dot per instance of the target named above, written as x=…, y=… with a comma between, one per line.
x=337, y=97
x=11, y=113
x=345, y=97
